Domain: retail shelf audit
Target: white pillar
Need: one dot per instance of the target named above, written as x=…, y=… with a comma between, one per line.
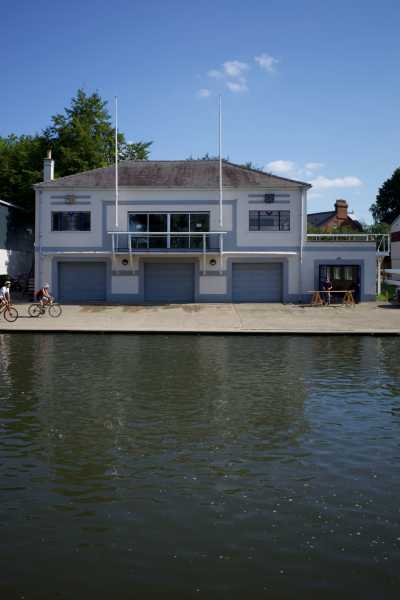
x=379, y=275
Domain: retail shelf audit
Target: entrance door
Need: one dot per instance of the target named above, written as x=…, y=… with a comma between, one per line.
x=343, y=277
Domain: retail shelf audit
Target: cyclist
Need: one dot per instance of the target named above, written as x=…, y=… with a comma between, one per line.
x=43, y=296
x=5, y=297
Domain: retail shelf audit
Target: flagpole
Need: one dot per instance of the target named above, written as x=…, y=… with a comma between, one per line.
x=220, y=163
x=116, y=162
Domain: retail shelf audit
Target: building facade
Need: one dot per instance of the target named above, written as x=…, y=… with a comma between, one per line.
x=16, y=241
x=168, y=240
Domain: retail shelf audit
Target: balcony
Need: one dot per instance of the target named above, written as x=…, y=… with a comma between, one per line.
x=160, y=242
x=381, y=240
x=169, y=242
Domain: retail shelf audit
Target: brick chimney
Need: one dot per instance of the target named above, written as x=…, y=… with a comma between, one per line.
x=341, y=207
x=48, y=167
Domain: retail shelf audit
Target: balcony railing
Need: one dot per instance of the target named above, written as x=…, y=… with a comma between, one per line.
x=204, y=242
x=156, y=241
x=382, y=240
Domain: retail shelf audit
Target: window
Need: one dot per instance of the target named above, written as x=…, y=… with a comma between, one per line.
x=71, y=221
x=172, y=224
x=269, y=220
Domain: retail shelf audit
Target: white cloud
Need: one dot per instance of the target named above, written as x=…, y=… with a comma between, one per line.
x=281, y=166
x=215, y=74
x=324, y=183
x=232, y=72
x=313, y=166
x=237, y=86
x=204, y=93
x=235, y=68
x=266, y=62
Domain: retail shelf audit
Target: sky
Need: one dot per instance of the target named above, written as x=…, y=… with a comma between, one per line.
x=310, y=88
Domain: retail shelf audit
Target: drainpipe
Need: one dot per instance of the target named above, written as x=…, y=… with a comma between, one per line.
x=302, y=207
x=38, y=241
x=379, y=275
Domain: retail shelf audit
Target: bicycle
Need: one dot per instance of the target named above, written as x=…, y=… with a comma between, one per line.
x=53, y=308
x=9, y=312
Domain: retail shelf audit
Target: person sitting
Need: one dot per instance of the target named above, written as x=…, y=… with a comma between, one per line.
x=43, y=295
x=328, y=288
x=5, y=297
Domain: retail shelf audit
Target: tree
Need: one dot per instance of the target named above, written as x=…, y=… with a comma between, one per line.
x=21, y=165
x=134, y=150
x=387, y=205
x=81, y=139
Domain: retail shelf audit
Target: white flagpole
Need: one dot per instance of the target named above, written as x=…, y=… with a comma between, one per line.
x=220, y=162
x=116, y=162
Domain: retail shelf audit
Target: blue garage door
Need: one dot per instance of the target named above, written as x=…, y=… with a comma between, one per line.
x=81, y=281
x=257, y=282
x=168, y=282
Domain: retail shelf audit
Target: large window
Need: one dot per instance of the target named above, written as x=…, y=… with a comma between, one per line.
x=71, y=221
x=172, y=224
x=269, y=220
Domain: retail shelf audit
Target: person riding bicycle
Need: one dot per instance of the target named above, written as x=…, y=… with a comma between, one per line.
x=43, y=295
x=5, y=297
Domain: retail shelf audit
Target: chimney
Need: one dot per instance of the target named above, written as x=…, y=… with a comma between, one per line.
x=341, y=207
x=48, y=167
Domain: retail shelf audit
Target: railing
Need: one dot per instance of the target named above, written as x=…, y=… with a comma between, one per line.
x=128, y=241
x=134, y=242
x=382, y=240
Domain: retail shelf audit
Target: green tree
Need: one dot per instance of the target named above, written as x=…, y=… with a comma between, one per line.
x=21, y=165
x=387, y=205
x=81, y=139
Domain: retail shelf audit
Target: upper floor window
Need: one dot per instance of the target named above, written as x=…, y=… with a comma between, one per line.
x=172, y=224
x=269, y=220
x=71, y=221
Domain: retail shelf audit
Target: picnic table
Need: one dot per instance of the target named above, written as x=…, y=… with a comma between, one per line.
x=318, y=300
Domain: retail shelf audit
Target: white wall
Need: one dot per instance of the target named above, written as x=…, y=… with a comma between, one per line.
x=50, y=201
x=68, y=239
x=340, y=254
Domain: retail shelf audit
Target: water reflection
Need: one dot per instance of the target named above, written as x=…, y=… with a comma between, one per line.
x=185, y=463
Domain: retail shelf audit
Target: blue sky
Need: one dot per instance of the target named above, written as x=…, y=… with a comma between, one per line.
x=310, y=88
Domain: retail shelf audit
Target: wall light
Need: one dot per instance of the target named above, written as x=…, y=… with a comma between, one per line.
x=213, y=262
x=124, y=262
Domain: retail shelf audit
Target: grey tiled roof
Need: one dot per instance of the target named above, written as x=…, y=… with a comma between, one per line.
x=174, y=174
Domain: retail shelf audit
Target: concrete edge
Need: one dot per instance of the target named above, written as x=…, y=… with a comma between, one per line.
x=266, y=332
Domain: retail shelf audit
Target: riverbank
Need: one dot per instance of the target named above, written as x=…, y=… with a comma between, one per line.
x=367, y=319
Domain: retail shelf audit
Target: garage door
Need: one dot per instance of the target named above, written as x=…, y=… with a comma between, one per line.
x=81, y=281
x=168, y=282
x=257, y=282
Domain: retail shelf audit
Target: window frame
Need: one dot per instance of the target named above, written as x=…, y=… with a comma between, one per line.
x=191, y=243
x=256, y=215
x=70, y=212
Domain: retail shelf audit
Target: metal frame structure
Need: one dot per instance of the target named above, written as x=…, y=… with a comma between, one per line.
x=118, y=249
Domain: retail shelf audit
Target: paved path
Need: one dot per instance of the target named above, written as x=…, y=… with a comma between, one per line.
x=368, y=318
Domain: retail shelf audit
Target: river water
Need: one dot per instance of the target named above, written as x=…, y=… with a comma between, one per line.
x=199, y=466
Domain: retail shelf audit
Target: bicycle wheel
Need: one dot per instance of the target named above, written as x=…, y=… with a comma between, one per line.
x=35, y=310
x=55, y=310
x=11, y=314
